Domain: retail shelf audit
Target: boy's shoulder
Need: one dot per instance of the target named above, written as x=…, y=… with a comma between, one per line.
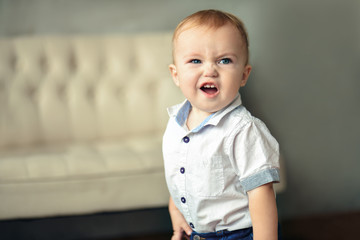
x=241, y=118
x=240, y=115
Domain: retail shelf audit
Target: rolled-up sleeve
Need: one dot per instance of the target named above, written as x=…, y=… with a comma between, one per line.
x=255, y=155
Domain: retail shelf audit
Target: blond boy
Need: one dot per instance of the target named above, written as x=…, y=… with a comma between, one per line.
x=220, y=162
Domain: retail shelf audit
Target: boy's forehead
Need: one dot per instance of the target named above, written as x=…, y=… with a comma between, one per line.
x=223, y=39
x=186, y=34
x=211, y=22
x=200, y=27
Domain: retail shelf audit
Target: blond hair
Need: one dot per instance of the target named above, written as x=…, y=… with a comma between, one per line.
x=213, y=19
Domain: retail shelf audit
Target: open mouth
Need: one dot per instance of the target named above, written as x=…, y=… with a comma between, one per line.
x=210, y=89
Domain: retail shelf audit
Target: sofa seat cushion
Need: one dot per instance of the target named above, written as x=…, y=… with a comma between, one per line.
x=133, y=155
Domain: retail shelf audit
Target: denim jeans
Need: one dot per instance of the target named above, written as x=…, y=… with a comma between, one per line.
x=243, y=234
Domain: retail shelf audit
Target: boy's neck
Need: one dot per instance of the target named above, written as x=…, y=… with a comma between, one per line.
x=195, y=118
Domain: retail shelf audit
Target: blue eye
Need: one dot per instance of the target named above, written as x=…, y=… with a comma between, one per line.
x=225, y=61
x=196, y=61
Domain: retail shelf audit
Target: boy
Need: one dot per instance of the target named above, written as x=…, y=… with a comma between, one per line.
x=220, y=162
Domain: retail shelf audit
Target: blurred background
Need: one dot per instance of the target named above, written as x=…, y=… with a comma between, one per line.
x=304, y=85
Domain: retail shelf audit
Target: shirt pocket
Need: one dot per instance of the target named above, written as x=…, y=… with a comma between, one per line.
x=207, y=177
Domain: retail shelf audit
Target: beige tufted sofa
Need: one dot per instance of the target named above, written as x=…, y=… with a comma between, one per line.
x=81, y=123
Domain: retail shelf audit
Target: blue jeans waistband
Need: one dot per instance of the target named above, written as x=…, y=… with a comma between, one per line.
x=245, y=233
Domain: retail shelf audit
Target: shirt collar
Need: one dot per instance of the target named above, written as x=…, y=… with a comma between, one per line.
x=181, y=112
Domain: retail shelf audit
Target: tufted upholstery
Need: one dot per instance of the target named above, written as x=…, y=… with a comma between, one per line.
x=81, y=120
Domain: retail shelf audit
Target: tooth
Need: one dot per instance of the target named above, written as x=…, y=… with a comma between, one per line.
x=212, y=86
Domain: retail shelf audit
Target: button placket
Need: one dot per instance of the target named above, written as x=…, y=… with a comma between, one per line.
x=186, y=139
x=184, y=147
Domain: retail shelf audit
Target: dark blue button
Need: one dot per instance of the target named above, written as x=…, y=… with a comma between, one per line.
x=183, y=200
x=182, y=170
x=191, y=225
x=186, y=139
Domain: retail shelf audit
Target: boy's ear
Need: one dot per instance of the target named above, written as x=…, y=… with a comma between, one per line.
x=245, y=75
x=174, y=74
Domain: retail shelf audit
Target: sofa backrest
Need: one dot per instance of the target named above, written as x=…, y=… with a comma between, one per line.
x=83, y=88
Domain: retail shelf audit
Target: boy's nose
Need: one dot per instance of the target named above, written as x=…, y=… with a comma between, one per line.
x=210, y=70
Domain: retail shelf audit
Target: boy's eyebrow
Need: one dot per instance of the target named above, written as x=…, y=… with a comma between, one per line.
x=190, y=55
x=228, y=54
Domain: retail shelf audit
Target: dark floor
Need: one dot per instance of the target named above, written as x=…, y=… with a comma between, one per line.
x=155, y=224
x=327, y=227
x=101, y=226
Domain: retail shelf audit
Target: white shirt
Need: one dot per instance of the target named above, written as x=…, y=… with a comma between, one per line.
x=210, y=168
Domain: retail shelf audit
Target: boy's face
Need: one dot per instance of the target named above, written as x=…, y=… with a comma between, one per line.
x=209, y=66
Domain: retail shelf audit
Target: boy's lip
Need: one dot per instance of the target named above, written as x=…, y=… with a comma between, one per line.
x=210, y=89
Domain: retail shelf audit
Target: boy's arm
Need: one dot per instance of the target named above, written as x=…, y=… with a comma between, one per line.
x=178, y=222
x=263, y=212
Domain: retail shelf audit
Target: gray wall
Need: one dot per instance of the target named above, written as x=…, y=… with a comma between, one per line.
x=305, y=81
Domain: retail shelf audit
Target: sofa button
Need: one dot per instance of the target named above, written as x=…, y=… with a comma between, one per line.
x=186, y=139
x=182, y=170
x=183, y=200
